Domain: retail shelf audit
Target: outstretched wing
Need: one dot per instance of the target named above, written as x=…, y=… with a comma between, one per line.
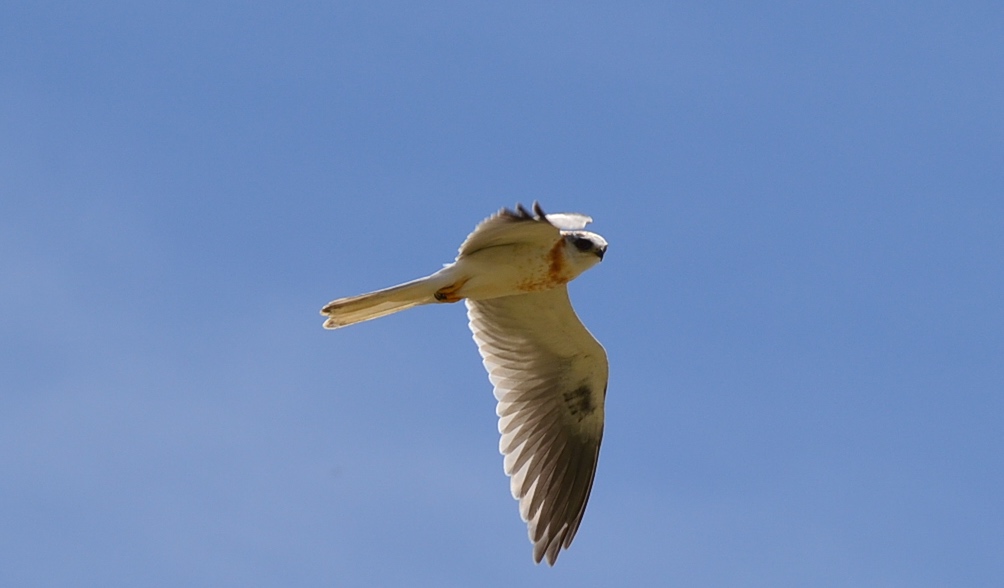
x=550, y=378
x=507, y=227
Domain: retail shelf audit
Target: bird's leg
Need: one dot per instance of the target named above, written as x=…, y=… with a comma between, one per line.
x=451, y=293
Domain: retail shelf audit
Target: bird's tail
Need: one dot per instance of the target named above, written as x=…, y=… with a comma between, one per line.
x=365, y=307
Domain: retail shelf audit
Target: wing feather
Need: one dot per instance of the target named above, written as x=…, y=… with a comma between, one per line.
x=569, y=221
x=507, y=227
x=550, y=378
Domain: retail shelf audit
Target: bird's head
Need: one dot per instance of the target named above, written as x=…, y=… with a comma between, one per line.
x=583, y=249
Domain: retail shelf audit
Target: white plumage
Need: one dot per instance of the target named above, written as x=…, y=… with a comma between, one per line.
x=549, y=372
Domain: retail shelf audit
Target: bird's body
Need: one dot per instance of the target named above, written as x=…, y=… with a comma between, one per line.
x=549, y=373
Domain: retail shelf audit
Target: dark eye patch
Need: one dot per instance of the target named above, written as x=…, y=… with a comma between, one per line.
x=582, y=244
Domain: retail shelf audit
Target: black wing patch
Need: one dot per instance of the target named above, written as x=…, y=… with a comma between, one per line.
x=522, y=214
x=580, y=402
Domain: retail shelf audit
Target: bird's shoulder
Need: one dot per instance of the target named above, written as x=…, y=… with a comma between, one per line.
x=511, y=227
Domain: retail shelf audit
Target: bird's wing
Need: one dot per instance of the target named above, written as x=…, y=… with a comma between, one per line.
x=550, y=378
x=569, y=221
x=507, y=227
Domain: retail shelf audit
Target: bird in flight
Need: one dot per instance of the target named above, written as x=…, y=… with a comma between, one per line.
x=548, y=371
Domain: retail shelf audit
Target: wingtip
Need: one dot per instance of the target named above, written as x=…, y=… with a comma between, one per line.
x=520, y=212
x=544, y=554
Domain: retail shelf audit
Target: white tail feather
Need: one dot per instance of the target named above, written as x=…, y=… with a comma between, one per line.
x=365, y=307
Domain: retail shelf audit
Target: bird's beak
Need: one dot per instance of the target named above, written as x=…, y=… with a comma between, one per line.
x=600, y=251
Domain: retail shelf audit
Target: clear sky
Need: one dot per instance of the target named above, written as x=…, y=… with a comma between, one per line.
x=802, y=299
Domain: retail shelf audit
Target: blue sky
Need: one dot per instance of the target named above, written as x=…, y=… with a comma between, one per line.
x=801, y=301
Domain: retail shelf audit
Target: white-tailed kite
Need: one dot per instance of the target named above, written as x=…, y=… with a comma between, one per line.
x=549, y=373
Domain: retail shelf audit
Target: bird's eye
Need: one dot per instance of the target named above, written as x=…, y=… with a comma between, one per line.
x=582, y=244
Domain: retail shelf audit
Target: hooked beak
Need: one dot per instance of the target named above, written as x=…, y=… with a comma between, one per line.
x=600, y=251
